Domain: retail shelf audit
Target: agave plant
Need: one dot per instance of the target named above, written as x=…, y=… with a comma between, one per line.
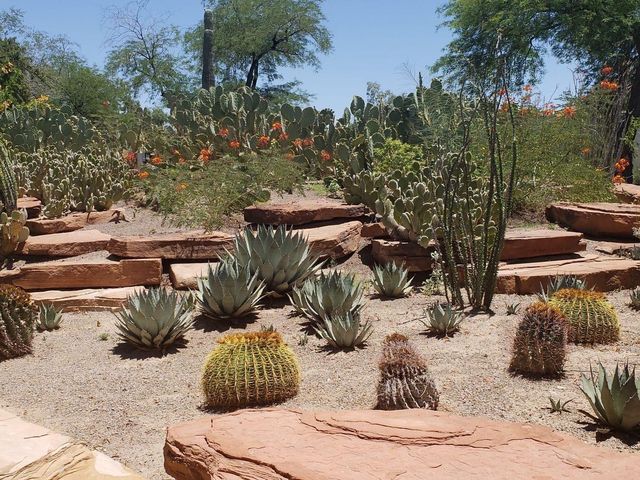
x=634, y=299
x=442, y=320
x=512, y=308
x=561, y=282
x=391, y=281
x=614, y=398
x=328, y=295
x=49, y=318
x=281, y=258
x=344, y=331
x=229, y=291
x=154, y=318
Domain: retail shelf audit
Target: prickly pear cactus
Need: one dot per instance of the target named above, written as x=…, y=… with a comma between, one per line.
x=12, y=232
x=249, y=369
x=405, y=381
x=18, y=318
x=592, y=319
x=539, y=346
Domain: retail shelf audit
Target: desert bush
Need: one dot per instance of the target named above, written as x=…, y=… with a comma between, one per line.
x=396, y=155
x=250, y=369
x=592, y=319
x=405, y=381
x=539, y=346
x=154, y=319
x=18, y=319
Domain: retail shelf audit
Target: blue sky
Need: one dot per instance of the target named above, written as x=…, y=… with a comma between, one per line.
x=374, y=40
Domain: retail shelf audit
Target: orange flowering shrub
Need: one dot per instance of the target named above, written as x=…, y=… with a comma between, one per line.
x=606, y=70
x=235, y=144
x=324, y=155
x=223, y=132
x=276, y=126
x=607, y=85
x=264, y=141
x=568, y=112
x=142, y=175
x=205, y=155
x=156, y=160
x=283, y=137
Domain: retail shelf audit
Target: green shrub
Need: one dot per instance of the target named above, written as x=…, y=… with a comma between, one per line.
x=395, y=155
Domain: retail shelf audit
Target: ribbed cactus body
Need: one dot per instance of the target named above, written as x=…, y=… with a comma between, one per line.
x=405, y=381
x=539, y=346
x=592, y=319
x=8, y=185
x=250, y=369
x=17, y=322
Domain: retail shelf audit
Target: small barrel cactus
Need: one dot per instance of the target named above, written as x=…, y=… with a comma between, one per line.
x=539, y=347
x=17, y=322
x=250, y=369
x=405, y=381
x=592, y=319
x=391, y=280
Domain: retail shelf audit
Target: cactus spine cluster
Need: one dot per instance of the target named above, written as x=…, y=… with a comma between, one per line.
x=8, y=185
x=405, y=381
x=18, y=318
x=592, y=319
x=539, y=346
x=250, y=369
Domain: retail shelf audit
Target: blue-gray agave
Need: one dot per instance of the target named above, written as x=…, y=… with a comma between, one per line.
x=280, y=257
x=154, y=318
x=344, y=331
x=442, y=319
x=391, y=280
x=328, y=295
x=229, y=291
x=49, y=318
x=614, y=398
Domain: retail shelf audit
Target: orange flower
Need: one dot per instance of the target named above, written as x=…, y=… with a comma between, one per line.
x=223, y=132
x=527, y=88
x=130, y=157
x=181, y=161
x=607, y=85
x=283, y=137
x=307, y=142
x=617, y=179
x=548, y=112
x=297, y=143
x=585, y=151
x=569, y=112
x=324, y=155
x=276, y=126
x=205, y=155
x=142, y=175
x=156, y=160
x=264, y=141
x=234, y=144
x=181, y=187
x=606, y=70
x=621, y=165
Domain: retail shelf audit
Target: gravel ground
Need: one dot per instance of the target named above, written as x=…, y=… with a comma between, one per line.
x=120, y=401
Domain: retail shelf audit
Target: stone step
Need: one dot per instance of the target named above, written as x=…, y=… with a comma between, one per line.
x=411, y=255
x=185, y=275
x=334, y=241
x=597, y=219
x=87, y=299
x=85, y=273
x=73, y=221
x=29, y=451
x=32, y=205
x=601, y=273
x=302, y=212
x=417, y=444
x=627, y=192
x=194, y=245
x=69, y=244
x=374, y=230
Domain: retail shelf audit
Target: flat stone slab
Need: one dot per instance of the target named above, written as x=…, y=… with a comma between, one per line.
x=596, y=219
x=29, y=452
x=519, y=244
x=616, y=248
x=32, y=205
x=302, y=212
x=627, y=192
x=334, y=241
x=85, y=273
x=195, y=245
x=71, y=222
x=411, y=255
x=68, y=244
x=271, y=444
x=374, y=230
x=604, y=274
x=85, y=300
x=185, y=275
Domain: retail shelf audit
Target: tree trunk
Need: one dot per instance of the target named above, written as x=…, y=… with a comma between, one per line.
x=252, y=74
x=207, y=51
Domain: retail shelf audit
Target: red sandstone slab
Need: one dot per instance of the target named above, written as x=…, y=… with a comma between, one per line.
x=601, y=273
x=185, y=275
x=32, y=205
x=374, y=230
x=597, y=219
x=272, y=444
x=627, y=192
x=71, y=222
x=85, y=273
x=302, y=212
x=520, y=244
x=195, y=245
x=334, y=241
x=86, y=299
x=68, y=244
x=411, y=255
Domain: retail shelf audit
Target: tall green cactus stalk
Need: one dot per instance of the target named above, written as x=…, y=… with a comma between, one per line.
x=207, y=51
x=8, y=186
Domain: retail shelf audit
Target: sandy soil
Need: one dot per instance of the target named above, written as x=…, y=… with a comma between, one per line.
x=120, y=401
